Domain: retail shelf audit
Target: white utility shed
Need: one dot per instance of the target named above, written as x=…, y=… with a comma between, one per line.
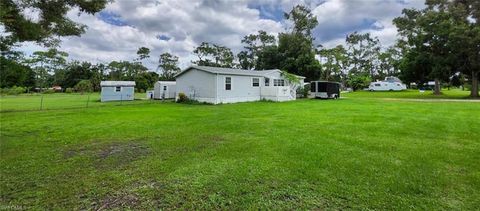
x=117, y=90
x=164, y=90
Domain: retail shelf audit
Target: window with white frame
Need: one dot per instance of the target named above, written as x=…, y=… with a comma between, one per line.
x=164, y=88
x=267, y=81
x=228, y=83
x=118, y=89
x=255, y=82
x=278, y=82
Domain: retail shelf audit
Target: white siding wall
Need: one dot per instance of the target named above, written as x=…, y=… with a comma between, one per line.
x=198, y=85
x=242, y=89
x=158, y=90
x=109, y=94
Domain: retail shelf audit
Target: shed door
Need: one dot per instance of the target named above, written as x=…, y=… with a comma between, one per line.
x=165, y=91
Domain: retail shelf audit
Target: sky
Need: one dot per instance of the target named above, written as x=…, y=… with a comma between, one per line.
x=178, y=26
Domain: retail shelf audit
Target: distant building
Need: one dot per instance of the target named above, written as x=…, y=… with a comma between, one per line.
x=164, y=89
x=117, y=90
x=57, y=88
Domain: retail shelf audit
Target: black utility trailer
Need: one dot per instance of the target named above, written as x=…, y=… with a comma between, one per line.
x=325, y=89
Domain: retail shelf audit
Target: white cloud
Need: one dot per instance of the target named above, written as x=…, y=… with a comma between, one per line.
x=185, y=24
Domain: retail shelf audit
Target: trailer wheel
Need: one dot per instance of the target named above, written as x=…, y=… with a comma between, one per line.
x=336, y=97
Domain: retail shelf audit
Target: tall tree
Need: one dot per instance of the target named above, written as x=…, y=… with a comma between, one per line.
x=388, y=62
x=125, y=70
x=426, y=34
x=464, y=38
x=46, y=63
x=213, y=55
x=14, y=73
x=296, y=47
x=303, y=20
x=254, y=45
x=363, y=51
x=146, y=80
x=75, y=72
x=52, y=20
x=98, y=74
x=168, y=63
x=143, y=53
x=333, y=63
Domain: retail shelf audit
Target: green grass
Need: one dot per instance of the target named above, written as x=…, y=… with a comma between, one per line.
x=412, y=94
x=29, y=102
x=352, y=153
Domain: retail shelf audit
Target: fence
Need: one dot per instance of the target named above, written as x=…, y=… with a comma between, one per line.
x=32, y=102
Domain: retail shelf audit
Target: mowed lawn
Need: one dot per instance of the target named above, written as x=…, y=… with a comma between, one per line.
x=359, y=152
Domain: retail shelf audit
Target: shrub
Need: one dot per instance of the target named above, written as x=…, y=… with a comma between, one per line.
x=358, y=82
x=467, y=87
x=303, y=91
x=84, y=86
x=15, y=90
x=182, y=98
x=68, y=90
x=48, y=91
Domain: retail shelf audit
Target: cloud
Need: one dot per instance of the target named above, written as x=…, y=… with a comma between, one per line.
x=338, y=18
x=177, y=27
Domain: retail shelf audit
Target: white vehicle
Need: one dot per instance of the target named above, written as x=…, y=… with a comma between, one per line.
x=389, y=84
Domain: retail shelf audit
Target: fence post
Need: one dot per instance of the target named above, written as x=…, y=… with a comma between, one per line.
x=41, y=102
x=88, y=99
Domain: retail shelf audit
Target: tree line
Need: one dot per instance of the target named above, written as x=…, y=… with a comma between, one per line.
x=439, y=43
x=44, y=69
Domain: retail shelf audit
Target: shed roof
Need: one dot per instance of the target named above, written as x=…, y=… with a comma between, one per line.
x=231, y=71
x=117, y=83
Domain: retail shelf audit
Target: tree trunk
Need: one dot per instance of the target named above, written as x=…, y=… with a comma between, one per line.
x=436, y=91
x=474, y=89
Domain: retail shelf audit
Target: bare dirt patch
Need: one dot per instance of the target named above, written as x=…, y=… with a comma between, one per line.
x=111, y=155
x=118, y=202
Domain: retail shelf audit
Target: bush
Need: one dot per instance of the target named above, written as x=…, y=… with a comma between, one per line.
x=48, y=91
x=84, y=86
x=69, y=90
x=15, y=90
x=358, y=82
x=303, y=91
x=182, y=98
x=467, y=87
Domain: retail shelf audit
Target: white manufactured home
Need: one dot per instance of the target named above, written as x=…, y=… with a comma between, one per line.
x=164, y=89
x=389, y=84
x=117, y=90
x=226, y=85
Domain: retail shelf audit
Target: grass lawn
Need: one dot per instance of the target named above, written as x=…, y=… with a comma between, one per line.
x=29, y=102
x=412, y=94
x=360, y=152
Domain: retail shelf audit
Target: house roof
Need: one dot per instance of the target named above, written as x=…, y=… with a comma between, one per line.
x=231, y=71
x=117, y=83
x=166, y=82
